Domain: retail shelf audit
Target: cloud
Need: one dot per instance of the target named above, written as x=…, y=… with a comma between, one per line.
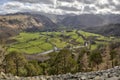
x=116, y=2
x=87, y=1
x=66, y=1
x=68, y=8
x=90, y=9
x=36, y=1
x=62, y=6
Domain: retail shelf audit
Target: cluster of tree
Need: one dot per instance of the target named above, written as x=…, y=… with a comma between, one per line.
x=64, y=62
x=114, y=55
x=114, y=45
x=60, y=63
x=95, y=58
x=17, y=64
x=2, y=53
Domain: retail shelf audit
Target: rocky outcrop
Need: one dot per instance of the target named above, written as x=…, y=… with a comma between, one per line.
x=110, y=74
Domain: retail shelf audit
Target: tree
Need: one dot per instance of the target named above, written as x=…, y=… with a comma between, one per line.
x=44, y=66
x=113, y=54
x=37, y=70
x=32, y=70
x=114, y=45
x=63, y=63
x=3, y=50
x=14, y=61
x=95, y=57
x=101, y=47
x=79, y=60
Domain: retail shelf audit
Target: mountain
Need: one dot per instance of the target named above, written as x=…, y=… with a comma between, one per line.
x=56, y=18
x=12, y=24
x=90, y=20
x=107, y=30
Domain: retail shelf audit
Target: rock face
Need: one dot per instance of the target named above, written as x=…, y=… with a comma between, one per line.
x=110, y=74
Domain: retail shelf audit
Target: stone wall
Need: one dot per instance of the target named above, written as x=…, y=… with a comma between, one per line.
x=110, y=74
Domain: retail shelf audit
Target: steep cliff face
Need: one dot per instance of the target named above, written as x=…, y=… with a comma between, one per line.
x=12, y=24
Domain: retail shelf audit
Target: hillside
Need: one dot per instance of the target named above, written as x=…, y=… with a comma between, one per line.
x=80, y=43
x=12, y=24
x=89, y=20
x=107, y=30
x=81, y=21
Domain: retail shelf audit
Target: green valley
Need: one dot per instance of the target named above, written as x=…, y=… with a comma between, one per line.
x=37, y=42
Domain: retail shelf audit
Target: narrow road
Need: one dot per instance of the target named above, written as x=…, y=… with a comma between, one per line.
x=78, y=47
x=46, y=52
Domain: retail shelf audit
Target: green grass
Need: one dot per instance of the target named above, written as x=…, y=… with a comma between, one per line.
x=43, y=41
x=36, y=42
x=93, y=47
x=88, y=33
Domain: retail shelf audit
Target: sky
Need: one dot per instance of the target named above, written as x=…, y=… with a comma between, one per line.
x=61, y=6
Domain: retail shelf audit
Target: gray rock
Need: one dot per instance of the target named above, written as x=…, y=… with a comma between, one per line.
x=110, y=74
x=83, y=78
x=3, y=76
x=99, y=78
x=113, y=78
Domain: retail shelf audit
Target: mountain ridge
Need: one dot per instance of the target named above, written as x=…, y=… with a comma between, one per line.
x=107, y=30
x=14, y=23
x=90, y=20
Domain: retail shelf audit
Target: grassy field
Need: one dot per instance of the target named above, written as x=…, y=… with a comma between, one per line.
x=38, y=42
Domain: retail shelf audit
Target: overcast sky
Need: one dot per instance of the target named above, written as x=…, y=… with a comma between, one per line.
x=61, y=6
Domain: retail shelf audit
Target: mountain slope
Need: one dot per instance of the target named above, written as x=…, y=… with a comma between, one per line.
x=14, y=23
x=82, y=20
x=90, y=20
x=107, y=30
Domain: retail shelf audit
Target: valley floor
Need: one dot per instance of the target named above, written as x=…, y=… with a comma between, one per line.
x=40, y=42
